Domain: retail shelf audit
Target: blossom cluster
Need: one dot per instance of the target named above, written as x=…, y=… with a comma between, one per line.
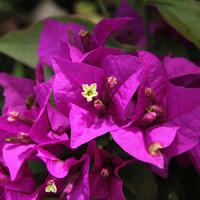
x=50, y=127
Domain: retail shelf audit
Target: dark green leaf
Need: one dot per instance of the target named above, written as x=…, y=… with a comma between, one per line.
x=170, y=188
x=184, y=16
x=139, y=182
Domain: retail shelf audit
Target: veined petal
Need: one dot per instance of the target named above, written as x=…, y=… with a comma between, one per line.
x=164, y=135
x=86, y=126
x=180, y=66
x=15, y=155
x=132, y=141
x=16, y=90
x=106, y=27
x=52, y=38
x=123, y=96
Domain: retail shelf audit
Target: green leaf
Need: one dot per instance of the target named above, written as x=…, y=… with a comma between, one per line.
x=170, y=188
x=22, y=45
x=184, y=16
x=139, y=182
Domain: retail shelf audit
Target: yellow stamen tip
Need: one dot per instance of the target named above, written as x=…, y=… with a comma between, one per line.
x=51, y=187
x=154, y=148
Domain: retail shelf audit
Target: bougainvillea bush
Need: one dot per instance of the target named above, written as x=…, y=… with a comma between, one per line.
x=105, y=114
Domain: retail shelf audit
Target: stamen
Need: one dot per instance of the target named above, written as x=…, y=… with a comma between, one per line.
x=89, y=91
x=51, y=187
x=154, y=148
x=105, y=172
x=98, y=104
x=85, y=39
x=72, y=178
x=21, y=137
x=112, y=81
x=83, y=32
x=149, y=93
x=14, y=115
x=71, y=36
x=157, y=109
x=148, y=118
x=154, y=113
x=10, y=139
x=69, y=188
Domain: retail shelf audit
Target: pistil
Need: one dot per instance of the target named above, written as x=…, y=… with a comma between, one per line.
x=85, y=39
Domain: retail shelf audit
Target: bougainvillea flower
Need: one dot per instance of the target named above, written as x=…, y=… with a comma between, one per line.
x=70, y=178
x=115, y=83
x=104, y=180
x=25, y=125
x=186, y=74
x=16, y=189
x=20, y=145
x=71, y=41
x=161, y=127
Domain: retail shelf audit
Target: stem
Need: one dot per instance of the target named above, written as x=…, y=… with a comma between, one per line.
x=145, y=14
x=103, y=8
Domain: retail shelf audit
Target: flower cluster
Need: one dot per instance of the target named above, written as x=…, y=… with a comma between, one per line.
x=50, y=128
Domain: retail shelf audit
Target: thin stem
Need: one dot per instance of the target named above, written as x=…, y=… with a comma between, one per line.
x=146, y=16
x=103, y=8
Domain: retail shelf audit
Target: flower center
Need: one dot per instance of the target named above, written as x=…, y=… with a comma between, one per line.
x=51, y=187
x=89, y=91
